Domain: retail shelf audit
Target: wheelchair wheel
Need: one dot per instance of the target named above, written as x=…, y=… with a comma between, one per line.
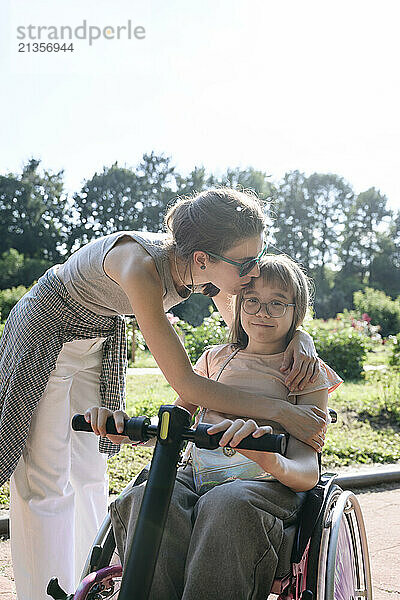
x=102, y=573
x=103, y=552
x=338, y=563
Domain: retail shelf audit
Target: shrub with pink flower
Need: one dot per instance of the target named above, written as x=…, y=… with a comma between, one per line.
x=172, y=318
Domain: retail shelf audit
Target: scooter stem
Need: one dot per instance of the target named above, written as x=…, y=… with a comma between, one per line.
x=141, y=561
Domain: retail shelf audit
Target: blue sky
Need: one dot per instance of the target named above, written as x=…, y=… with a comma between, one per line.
x=284, y=85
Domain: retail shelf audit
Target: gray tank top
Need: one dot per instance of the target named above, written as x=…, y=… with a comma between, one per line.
x=85, y=279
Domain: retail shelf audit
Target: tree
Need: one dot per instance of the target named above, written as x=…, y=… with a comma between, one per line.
x=16, y=270
x=364, y=222
x=106, y=203
x=122, y=199
x=156, y=185
x=193, y=183
x=330, y=198
x=385, y=264
x=371, y=210
x=294, y=220
x=248, y=179
x=32, y=209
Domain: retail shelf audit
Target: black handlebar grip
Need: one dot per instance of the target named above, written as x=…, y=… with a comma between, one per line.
x=267, y=443
x=79, y=424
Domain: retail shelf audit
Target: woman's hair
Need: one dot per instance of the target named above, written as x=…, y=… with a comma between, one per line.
x=213, y=221
x=286, y=274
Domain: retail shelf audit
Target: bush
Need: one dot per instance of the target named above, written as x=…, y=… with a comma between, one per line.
x=394, y=358
x=381, y=308
x=16, y=269
x=344, y=351
x=212, y=331
x=8, y=299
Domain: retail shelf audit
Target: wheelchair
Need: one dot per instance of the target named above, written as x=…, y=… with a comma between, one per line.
x=322, y=557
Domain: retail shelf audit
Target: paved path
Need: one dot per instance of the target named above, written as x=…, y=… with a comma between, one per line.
x=381, y=510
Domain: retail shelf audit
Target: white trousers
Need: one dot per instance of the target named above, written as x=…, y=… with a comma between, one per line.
x=59, y=490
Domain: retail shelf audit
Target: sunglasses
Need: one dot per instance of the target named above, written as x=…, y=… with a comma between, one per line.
x=245, y=267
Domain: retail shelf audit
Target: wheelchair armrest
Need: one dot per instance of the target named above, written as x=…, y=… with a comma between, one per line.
x=310, y=513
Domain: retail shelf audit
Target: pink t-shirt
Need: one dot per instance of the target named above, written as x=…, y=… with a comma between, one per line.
x=257, y=373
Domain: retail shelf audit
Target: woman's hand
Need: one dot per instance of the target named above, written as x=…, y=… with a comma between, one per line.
x=300, y=362
x=307, y=423
x=97, y=417
x=236, y=430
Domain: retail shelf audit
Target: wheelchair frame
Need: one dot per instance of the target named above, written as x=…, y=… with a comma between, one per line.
x=329, y=558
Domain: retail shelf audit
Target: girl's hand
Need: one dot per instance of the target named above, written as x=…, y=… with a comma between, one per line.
x=307, y=423
x=236, y=430
x=300, y=362
x=97, y=417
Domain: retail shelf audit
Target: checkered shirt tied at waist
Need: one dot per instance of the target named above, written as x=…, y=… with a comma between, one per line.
x=35, y=331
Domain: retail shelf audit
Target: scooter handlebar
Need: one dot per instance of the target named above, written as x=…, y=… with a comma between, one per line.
x=140, y=429
x=267, y=443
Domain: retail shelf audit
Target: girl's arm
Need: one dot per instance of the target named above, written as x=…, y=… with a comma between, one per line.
x=189, y=407
x=298, y=469
x=134, y=270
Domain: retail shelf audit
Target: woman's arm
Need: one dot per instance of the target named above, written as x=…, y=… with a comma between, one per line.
x=134, y=270
x=300, y=361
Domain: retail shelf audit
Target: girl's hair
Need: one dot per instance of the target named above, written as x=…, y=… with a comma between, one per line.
x=286, y=274
x=213, y=221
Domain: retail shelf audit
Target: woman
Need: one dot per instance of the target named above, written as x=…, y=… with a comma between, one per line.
x=63, y=350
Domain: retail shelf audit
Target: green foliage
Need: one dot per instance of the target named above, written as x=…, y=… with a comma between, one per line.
x=194, y=309
x=345, y=241
x=212, y=331
x=381, y=308
x=343, y=350
x=16, y=269
x=383, y=407
x=368, y=428
x=33, y=212
x=8, y=298
x=146, y=393
x=4, y=494
x=361, y=444
x=122, y=199
x=394, y=358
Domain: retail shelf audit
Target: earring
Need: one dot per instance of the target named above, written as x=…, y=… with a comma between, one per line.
x=203, y=267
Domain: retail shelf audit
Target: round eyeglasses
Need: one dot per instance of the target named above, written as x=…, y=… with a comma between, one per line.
x=274, y=308
x=245, y=267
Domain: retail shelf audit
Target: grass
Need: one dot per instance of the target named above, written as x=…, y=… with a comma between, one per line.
x=379, y=354
x=143, y=359
x=368, y=428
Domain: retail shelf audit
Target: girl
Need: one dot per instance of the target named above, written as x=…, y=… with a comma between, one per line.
x=63, y=350
x=231, y=512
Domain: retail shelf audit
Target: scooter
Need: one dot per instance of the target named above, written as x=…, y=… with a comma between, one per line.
x=172, y=431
